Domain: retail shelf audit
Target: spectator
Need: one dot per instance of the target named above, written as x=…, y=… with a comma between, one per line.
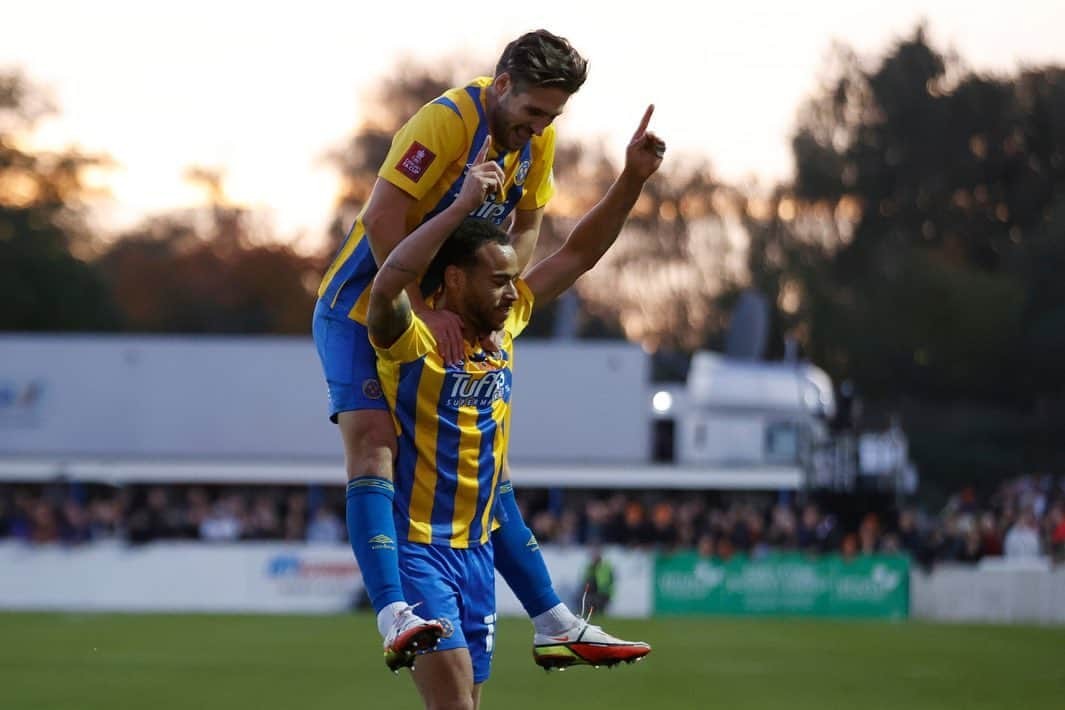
x=21, y=526
x=948, y=540
x=783, y=530
x=295, y=516
x=972, y=546
x=663, y=533
x=849, y=547
x=1022, y=540
x=706, y=547
x=597, y=522
x=105, y=519
x=599, y=582
x=223, y=523
x=812, y=534
x=569, y=528
x=44, y=528
x=909, y=536
x=969, y=529
x=636, y=531
x=1057, y=532
x=74, y=524
x=544, y=526
x=325, y=527
x=869, y=534
x=157, y=520
x=263, y=521
x=990, y=535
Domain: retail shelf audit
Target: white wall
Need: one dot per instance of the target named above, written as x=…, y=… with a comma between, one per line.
x=264, y=398
x=192, y=576
x=248, y=577
x=989, y=595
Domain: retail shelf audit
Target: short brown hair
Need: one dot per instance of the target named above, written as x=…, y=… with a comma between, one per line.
x=543, y=59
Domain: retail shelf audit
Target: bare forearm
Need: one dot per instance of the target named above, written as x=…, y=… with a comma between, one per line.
x=390, y=308
x=600, y=227
x=409, y=259
x=587, y=243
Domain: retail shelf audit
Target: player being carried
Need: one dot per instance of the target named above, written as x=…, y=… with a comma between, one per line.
x=452, y=419
x=421, y=177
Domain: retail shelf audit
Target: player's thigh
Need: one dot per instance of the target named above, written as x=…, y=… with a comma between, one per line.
x=445, y=680
x=479, y=610
x=348, y=361
x=432, y=578
x=369, y=437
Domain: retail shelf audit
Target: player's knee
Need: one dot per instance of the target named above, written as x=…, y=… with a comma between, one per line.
x=369, y=461
x=369, y=443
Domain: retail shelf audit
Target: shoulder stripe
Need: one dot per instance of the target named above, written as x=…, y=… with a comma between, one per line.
x=445, y=101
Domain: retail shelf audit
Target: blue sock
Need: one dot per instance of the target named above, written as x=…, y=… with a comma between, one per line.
x=518, y=557
x=372, y=533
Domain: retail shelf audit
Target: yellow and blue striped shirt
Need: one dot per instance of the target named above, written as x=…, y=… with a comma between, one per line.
x=428, y=160
x=453, y=425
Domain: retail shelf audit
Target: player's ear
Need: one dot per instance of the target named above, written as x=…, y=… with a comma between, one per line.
x=454, y=277
x=502, y=83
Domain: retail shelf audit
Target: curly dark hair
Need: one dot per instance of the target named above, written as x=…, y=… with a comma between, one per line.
x=460, y=249
x=543, y=59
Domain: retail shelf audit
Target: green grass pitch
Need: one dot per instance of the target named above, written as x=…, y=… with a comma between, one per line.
x=199, y=662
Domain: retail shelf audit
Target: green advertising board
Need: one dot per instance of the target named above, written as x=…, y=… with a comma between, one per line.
x=792, y=584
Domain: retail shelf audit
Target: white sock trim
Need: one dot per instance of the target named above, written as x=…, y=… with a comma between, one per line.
x=555, y=620
x=386, y=615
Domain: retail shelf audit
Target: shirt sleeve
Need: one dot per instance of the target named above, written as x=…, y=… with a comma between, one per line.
x=540, y=185
x=521, y=311
x=422, y=149
x=416, y=342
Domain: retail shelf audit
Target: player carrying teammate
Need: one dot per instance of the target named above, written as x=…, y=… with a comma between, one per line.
x=452, y=419
x=535, y=76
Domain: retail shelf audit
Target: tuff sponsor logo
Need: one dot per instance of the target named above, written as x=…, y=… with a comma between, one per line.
x=480, y=391
x=415, y=161
x=491, y=211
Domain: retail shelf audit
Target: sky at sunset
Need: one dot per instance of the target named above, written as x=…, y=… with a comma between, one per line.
x=263, y=91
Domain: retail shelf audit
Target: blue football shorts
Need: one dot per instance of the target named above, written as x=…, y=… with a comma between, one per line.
x=348, y=361
x=456, y=586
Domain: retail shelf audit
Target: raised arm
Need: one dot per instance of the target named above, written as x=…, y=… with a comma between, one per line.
x=598, y=229
x=390, y=308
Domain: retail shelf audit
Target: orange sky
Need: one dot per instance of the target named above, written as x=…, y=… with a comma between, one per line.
x=264, y=93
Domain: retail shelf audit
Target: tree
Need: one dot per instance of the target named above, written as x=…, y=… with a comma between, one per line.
x=216, y=269
x=43, y=285
x=920, y=238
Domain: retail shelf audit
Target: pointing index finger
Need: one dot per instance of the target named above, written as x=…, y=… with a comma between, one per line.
x=482, y=154
x=644, y=122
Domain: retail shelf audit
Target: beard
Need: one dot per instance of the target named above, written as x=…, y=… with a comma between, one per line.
x=508, y=134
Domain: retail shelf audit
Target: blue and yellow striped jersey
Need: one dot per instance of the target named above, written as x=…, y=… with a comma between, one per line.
x=427, y=160
x=453, y=425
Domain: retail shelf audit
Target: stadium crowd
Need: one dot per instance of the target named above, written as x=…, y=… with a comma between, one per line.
x=1024, y=517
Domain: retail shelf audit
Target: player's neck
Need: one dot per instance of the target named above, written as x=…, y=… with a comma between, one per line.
x=469, y=333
